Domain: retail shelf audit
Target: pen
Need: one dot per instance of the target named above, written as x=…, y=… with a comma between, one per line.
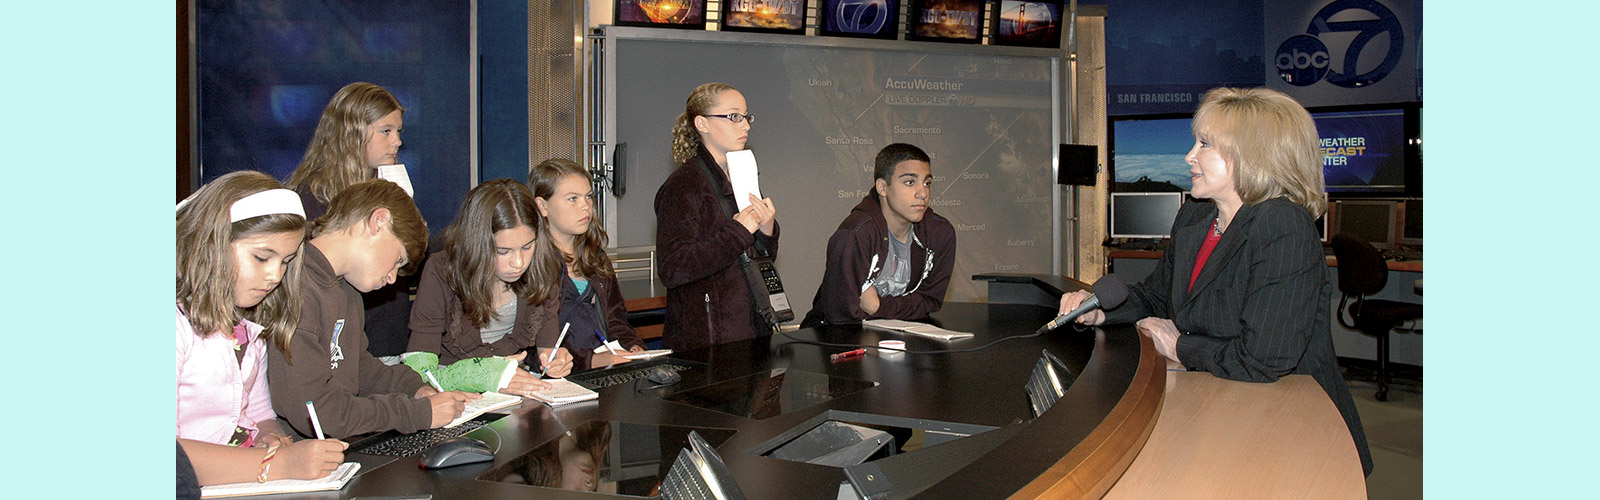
x=604, y=342
x=433, y=381
x=315, y=424
x=563, y=336
x=847, y=354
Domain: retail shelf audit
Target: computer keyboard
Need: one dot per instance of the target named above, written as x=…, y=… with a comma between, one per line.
x=623, y=375
x=408, y=445
x=1402, y=255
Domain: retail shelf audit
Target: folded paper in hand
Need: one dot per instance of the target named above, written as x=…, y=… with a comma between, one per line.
x=742, y=173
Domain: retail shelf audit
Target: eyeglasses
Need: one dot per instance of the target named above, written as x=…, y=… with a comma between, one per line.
x=735, y=117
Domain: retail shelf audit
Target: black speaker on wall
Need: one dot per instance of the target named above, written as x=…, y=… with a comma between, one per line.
x=1079, y=164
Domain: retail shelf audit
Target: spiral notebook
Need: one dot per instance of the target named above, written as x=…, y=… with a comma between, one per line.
x=334, y=481
x=563, y=391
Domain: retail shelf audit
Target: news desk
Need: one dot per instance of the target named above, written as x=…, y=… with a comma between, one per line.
x=1077, y=449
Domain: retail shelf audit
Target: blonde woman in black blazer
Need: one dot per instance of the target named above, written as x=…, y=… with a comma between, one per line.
x=1243, y=291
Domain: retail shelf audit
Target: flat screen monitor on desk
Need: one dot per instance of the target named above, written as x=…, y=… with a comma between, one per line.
x=1411, y=229
x=1372, y=221
x=1144, y=215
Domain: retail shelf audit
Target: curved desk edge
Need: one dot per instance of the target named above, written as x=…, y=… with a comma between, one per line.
x=1037, y=289
x=1092, y=467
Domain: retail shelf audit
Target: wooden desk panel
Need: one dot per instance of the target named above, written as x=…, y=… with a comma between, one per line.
x=1220, y=438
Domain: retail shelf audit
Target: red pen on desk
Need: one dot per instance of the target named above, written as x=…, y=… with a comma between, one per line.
x=847, y=354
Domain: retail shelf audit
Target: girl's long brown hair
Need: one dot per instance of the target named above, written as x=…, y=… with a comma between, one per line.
x=492, y=207
x=334, y=160
x=588, y=249
x=206, y=272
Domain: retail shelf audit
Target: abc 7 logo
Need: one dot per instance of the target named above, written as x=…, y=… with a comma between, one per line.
x=1303, y=60
x=861, y=16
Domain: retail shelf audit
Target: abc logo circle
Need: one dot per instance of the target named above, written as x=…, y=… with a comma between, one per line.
x=1302, y=60
x=862, y=16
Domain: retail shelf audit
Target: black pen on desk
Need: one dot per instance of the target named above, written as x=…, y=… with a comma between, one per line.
x=847, y=354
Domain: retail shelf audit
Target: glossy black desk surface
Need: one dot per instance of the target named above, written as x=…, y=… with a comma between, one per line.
x=981, y=388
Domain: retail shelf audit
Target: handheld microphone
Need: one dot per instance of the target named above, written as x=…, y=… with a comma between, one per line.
x=1109, y=292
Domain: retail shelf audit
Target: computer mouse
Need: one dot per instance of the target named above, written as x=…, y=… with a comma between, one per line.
x=455, y=451
x=662, y=376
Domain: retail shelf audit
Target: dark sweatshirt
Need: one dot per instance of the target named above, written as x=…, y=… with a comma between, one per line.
x=354, y=392
x=863, y=235
x=439, y=323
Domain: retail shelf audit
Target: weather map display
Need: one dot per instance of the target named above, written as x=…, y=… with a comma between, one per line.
x=825, y=111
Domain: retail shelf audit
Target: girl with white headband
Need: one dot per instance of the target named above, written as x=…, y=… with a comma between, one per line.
x=238, y=238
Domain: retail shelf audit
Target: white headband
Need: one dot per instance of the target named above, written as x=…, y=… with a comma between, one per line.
x=271, y=201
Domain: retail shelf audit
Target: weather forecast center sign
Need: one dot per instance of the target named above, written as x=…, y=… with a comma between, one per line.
x=1344, y=51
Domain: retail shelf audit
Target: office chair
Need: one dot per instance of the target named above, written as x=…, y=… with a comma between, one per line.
x=1362, y=272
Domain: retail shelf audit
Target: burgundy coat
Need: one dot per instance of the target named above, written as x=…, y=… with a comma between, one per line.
x=698, y=246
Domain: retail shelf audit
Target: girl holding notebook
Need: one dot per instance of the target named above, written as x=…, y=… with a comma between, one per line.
x=241, y=234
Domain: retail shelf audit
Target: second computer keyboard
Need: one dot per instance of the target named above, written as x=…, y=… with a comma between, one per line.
x=623, y=374
x=408, y=445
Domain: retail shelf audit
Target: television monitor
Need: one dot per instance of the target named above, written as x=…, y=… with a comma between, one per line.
x=1411, y=227
x=1144, y=215
x=679, y=14
x=1027, y=23
x=1370, y=151
x=860, y=18
x=1369, y=220
x=958, y=21
x=1147, y=153
x=765, y=16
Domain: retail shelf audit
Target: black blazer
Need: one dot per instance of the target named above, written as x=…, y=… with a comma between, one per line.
x=1259, y=309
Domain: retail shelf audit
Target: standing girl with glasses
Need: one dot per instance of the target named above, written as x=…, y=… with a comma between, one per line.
x=709, y=300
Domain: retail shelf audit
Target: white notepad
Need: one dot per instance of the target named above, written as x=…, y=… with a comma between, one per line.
x=742, y=173
x=616, y=348
x=397, y=174
x=334, y=481
x=914, y=328
x=563, y=391
x=491, y=401
x=653, y=353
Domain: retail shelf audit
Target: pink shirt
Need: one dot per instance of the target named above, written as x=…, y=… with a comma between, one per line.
x=215, y=391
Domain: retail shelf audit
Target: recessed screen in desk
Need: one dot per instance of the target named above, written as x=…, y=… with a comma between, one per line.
x=770, y=393
x=605, y=457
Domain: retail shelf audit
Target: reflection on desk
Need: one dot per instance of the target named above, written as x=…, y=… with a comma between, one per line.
x=1077, y=448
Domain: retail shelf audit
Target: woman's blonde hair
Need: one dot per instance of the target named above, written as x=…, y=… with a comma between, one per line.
x=686, y=138
x=1270, y=141
x=588, y=249
x=336, y=157
x=206, y=271
x=491, y=207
